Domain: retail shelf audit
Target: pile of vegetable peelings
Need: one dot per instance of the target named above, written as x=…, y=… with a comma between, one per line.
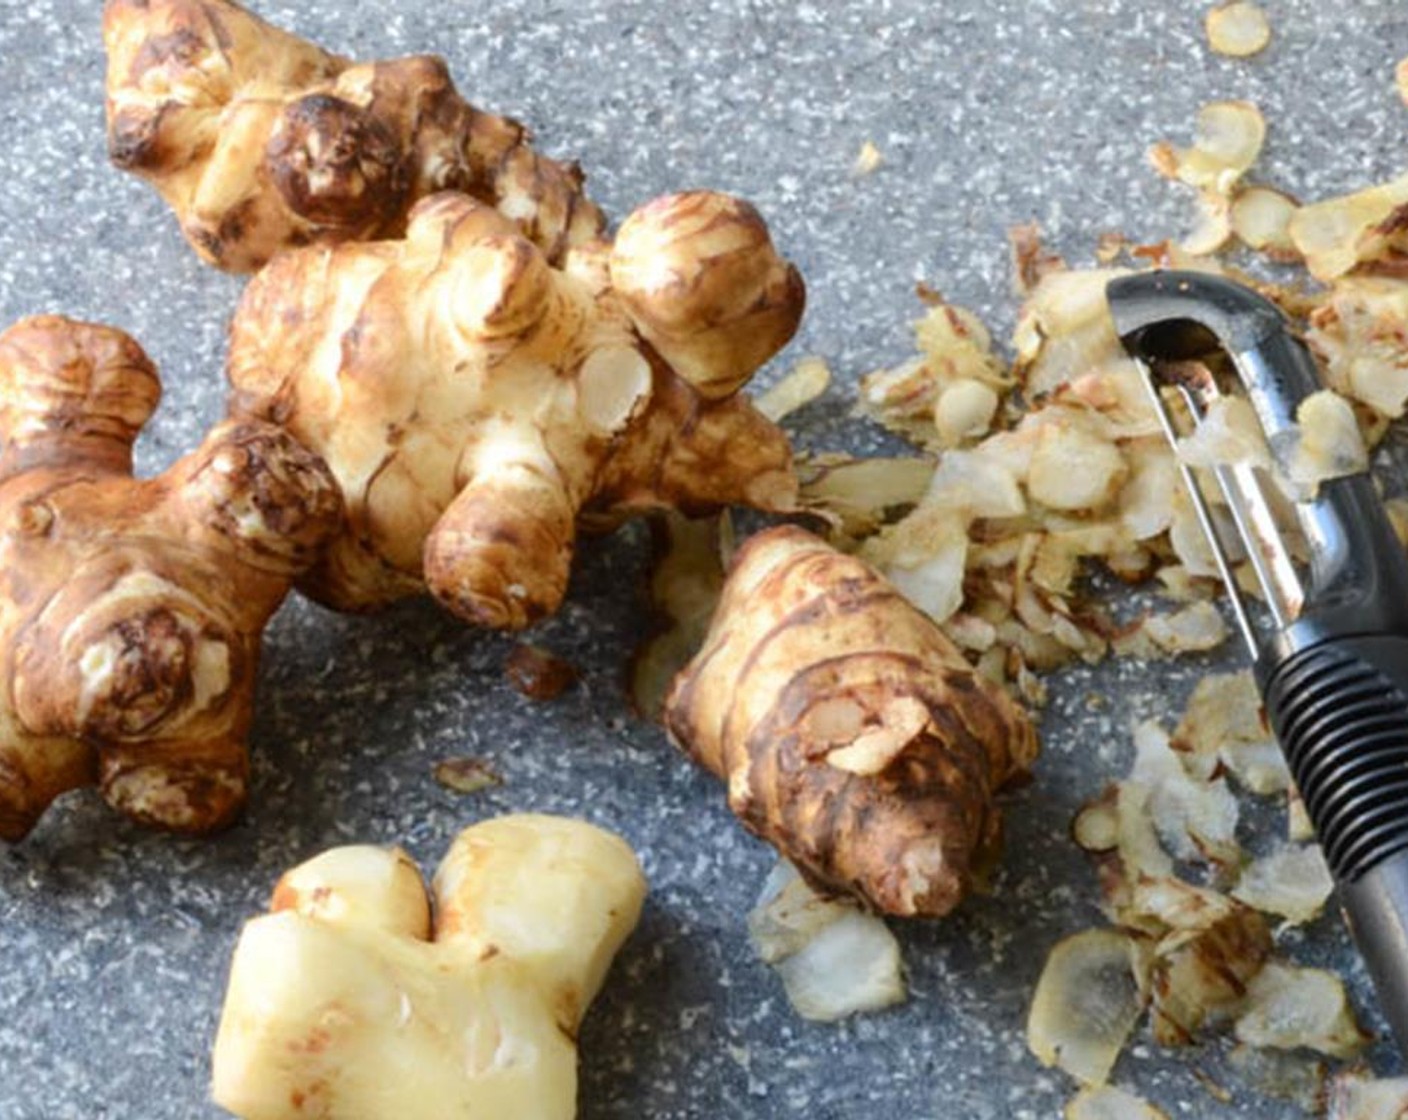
x=1041, y=472
x=445, y=370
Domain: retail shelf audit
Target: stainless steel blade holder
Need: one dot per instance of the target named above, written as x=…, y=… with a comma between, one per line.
x=1331, y=658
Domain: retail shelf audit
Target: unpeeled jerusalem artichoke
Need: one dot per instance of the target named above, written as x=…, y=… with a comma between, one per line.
x=475, y=403
x=260, y=141
x=131, y=611
x=346, y=1002
x=852, y=734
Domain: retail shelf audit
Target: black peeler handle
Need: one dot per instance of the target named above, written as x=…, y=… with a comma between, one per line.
x=1340, y=711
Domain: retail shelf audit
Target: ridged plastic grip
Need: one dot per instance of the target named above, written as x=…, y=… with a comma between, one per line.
x=1340, y=711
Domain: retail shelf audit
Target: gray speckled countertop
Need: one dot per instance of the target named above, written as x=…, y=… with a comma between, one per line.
x=114, y=942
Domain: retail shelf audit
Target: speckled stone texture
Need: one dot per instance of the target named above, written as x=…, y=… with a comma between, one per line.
x=114, y=942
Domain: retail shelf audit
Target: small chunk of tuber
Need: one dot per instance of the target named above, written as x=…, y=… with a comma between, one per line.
x=348, y=1000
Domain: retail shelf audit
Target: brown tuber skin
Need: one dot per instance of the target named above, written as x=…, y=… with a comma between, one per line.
x=131, y=611
x=851, y=732
x=538, y=674
x=475, y=403
x=261, y=141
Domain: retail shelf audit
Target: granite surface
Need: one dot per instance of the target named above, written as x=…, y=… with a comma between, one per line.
x=114, y=942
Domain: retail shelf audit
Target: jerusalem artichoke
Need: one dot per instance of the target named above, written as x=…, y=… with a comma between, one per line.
x=852, y=735
x=260, y=141
x=343, y=1003
x=475, y=402
x=131, y=611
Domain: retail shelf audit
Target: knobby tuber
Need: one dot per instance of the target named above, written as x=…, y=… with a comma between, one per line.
x=475, y=403
x=260, y=141
x=851, y=732
x=131, y=611
x=347, y=1003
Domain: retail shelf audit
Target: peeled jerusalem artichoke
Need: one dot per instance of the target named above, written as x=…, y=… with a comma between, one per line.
x=852, y=734
x=476, y=403
x=347, y=1002
x=260, y=141
x=131, y=611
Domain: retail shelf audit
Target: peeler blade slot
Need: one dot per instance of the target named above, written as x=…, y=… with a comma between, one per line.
x=1201, y=508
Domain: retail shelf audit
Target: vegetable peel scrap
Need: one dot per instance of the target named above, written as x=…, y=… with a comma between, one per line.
x=1201, y=958
x=833, y=958
x=1227, y=141
x=1085, y=1005
x=466, y=775
x=1238, y=30
x=1355, y=1096
x=807, y=381
x=1341, y=234
x=868, y=160
x=1105, y=1102
x=1288, y=1008
x=1261, y=219
x=685, y=584
x=1291, y=882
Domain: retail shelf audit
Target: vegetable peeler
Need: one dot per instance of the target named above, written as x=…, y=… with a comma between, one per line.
x=1331, y=658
